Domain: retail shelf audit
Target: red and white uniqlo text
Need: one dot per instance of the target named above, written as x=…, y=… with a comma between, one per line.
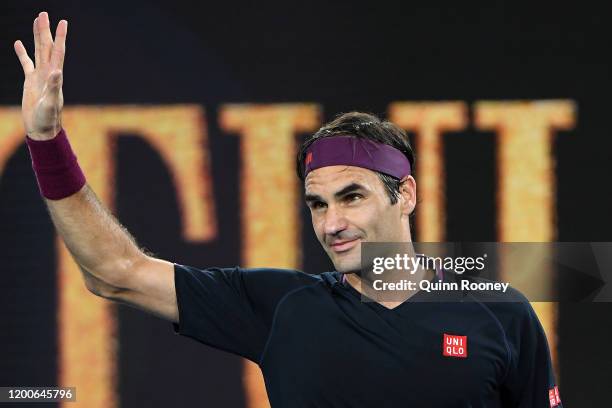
x=454, y=346
x=553, y=397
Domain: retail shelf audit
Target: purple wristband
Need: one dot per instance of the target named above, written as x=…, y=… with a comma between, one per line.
x=56, y=167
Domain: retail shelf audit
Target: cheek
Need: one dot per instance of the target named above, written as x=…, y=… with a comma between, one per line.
x=366, y=217
x=317, y=226
x=381, y=220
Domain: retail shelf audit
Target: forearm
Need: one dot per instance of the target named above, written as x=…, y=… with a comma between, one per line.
x=100, y=245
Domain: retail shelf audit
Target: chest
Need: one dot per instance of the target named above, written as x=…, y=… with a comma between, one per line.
x=354, y=349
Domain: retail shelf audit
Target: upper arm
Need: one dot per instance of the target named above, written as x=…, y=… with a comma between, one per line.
x=149, y=285
x=231, y=308
x=227, y=308
x=531, y=377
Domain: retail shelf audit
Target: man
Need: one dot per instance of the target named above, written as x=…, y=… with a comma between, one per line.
x=317, y=342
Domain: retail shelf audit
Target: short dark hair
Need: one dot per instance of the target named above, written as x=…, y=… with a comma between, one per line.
x=366, y=126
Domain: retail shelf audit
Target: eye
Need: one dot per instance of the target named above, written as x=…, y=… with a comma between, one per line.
x=317, y=205
x=352, y=197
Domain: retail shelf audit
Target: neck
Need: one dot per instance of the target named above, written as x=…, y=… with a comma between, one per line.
x=364, y=283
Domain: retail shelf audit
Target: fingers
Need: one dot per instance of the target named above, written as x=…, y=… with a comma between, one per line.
x=37, y=46
x=22, y=54
x=46, y=40
x=59, y=45
x=46, y=51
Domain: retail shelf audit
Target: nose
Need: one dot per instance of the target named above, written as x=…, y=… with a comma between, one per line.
x=334, y=221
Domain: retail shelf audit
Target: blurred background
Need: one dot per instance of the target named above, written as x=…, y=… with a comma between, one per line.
x=186, y=115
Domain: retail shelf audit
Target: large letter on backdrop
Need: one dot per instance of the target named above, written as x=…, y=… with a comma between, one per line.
x=526, y=178
x=429, y=120
x=178, y=134
x=269, y=188
x=86, y=324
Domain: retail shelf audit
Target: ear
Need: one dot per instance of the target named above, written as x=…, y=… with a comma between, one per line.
x=407, y=197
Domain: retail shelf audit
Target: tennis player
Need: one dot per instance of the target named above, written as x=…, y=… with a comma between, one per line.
x=318, y=343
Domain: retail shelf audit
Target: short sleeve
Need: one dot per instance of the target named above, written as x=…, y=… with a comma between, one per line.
x=530, y=381
x=231, y=308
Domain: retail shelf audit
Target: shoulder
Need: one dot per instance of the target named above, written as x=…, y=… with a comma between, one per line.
x=250, y=272
x=485, y=290
x=506, y=303
x=275, y=281
x=257, y=285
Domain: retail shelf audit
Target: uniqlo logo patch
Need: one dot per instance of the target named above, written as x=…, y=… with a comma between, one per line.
x=553, y=397
x=454, y=346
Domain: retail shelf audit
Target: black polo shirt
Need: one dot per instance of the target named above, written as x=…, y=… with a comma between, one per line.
x=320, y=345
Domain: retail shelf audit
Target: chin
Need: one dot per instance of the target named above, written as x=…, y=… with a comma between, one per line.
x=348, y=266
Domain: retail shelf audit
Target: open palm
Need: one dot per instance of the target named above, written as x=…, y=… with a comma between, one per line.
x=42, y=99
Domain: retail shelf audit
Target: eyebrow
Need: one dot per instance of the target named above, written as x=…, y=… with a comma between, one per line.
x=344, y=191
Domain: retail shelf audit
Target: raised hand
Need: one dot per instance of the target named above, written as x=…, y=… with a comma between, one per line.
x=42, y=100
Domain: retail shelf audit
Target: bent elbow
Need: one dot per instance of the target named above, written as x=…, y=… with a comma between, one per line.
x=111, y=280
x=101, y=289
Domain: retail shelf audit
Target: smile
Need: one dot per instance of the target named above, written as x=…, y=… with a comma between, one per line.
x=344, y=246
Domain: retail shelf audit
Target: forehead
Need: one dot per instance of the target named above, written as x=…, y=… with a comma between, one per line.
x=332, y=178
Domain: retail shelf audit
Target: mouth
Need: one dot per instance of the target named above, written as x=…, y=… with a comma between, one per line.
x=343, y=246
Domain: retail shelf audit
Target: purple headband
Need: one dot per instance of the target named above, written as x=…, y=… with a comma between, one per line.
x=358, y=152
